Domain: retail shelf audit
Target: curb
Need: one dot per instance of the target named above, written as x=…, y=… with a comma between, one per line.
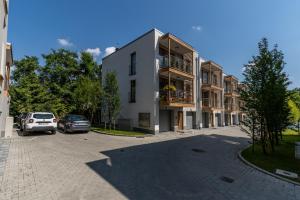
x=264, y=171
x=130, y=136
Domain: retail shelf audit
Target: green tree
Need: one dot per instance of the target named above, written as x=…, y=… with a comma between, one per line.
x=111, y=96
x=27, y=94
x=87, y=95
x=294, y=105
x=88, y=66
x=59, y=75
x=265, y=95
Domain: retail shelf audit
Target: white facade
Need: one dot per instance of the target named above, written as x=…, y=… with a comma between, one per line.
x=5, y=63
x=146, y=84
x=147, y=80
x=160, y=62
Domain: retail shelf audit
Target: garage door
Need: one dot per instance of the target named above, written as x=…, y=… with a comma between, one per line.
x=164, y=121
x=189, y=120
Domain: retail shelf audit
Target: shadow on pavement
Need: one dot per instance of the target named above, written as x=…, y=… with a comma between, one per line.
x=185, y=168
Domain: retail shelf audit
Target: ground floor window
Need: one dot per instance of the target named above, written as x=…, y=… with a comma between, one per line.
x=144, y=120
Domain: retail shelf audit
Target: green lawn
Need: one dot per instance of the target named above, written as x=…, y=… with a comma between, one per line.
x=283, y=158
x=119, y=132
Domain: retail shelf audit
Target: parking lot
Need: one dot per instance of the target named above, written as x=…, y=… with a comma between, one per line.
x=199, y=165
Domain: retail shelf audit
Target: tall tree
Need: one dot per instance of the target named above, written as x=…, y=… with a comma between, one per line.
x=266, y=94
x=88, y=96
x=59, y=75
x=111, y=96
x=26, y=92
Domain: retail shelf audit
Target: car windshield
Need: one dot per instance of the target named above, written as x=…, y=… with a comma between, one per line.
x=77, y=118
x=42, y=116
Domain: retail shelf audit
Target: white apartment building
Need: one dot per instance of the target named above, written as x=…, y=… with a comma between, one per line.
x=157, y=81
x=165, y=86
x=6, y=61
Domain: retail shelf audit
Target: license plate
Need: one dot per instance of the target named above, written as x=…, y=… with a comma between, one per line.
x=43, y=123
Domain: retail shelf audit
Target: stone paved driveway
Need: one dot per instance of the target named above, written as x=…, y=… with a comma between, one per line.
x=168, y=166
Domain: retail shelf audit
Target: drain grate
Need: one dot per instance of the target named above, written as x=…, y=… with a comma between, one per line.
x=198, y=150
x=85, y=139
x=227, y=179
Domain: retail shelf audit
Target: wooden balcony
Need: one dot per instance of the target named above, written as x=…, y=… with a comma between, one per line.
x=231, y=107
x=209, y=104
x=175, y=57
x=175, y=66
x=209, y=86
x=212, y=75
x=177, y=98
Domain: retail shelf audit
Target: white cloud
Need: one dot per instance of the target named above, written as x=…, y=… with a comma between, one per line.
x=197, y=28
x=64, y=42
x=109, y=50
x=95, y=52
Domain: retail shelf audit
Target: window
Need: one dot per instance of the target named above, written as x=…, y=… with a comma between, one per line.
x=43, y=116
x=6, y=12
x=204, y=77
x=132, y=91
x=4, y=22
x=144, y=120
x=132, y=67
x=215, y=79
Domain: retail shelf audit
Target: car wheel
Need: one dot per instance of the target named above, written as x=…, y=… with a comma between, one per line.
x=65, y=130
x=53, y=132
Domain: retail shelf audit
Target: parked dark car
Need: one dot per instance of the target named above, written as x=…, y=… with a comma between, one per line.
x=74, y=123
x=21, y=120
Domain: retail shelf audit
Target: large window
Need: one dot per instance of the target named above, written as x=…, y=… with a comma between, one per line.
x=205, y=77
x=132, y=91
x=132, y=67
x=144, y=120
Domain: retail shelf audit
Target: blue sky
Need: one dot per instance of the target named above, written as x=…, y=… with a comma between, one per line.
x=224, y=31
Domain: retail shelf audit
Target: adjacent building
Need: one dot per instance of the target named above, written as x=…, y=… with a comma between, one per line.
x=6, y=60
x=165, y=85
x=231, y=100
x=212, y=94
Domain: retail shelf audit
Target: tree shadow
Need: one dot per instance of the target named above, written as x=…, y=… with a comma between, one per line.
x=185, y=168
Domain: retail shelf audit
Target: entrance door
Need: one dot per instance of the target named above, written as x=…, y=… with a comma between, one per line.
x=189, y=120
x=180, y=120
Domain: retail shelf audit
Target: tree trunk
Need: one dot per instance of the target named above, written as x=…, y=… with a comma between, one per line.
x=277, y=137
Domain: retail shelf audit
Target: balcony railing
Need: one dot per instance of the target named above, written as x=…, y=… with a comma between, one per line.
x=207, y=103
x=177, y=63
x=229, y=90
x=178, y=96
x=230, y=106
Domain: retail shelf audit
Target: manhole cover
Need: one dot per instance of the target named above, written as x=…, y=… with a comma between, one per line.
x=198, y=150
x=227, y=179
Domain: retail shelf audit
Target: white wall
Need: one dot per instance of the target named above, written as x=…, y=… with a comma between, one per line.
x=146, y=84
x=4, y=101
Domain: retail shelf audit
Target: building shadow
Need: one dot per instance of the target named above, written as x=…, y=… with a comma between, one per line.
x=184, y=168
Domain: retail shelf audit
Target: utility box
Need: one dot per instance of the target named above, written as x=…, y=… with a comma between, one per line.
x=297, y=150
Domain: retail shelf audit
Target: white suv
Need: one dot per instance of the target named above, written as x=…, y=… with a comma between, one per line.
x=40, y=121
